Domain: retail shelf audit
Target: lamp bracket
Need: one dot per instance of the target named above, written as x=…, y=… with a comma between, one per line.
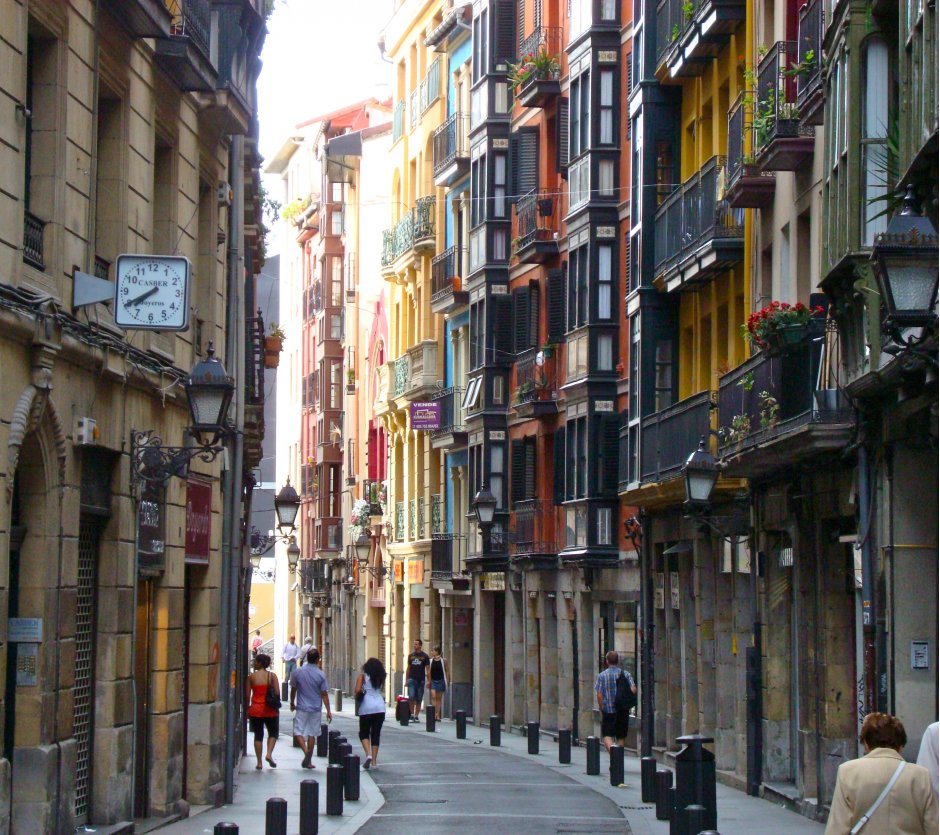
x=909, y=348
x=152, y=461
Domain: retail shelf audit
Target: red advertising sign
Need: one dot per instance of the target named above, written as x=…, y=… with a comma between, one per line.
x=198, y=520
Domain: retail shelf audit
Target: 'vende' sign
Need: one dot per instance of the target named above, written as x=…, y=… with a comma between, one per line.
x=198, y=520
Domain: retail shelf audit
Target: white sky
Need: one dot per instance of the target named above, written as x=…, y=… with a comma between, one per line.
x=319, y=55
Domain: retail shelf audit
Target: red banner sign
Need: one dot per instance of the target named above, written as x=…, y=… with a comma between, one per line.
x=198, y=520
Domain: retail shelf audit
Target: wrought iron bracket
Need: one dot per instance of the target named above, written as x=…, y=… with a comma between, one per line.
x=909, y=349
x=261, y=544
x=153, y=462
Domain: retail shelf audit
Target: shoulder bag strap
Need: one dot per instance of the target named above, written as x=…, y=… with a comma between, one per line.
x=874, y=806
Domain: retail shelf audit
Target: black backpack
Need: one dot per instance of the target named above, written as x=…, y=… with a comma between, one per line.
x=625, y=699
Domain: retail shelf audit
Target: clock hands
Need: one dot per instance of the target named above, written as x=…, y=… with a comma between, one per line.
x=144, y=296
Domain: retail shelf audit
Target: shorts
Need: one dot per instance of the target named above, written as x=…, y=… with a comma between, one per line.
x=415, y=689
x=259, y=723
x=615, y=725
x=438, y=685
x=370, y=727
x=307, y=722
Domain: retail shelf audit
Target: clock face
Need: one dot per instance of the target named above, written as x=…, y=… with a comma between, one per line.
x=152, y=292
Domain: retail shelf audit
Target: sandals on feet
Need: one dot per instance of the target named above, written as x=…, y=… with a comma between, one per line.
x=270, y=763
x=367, y=764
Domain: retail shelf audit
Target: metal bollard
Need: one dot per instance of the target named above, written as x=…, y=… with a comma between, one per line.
x=323, y=740
x=695, y=818
x=564, y=746
x=673, y=812
x=663, y=784
x=460, y=717
x=343, y=750
x=616, y=765
x=429, y=718
x=495, y=731
x=309, y=807
x=337, y=699
x=593, y=755
x=335, y=785
x=225, y=828
x=331, y=745
x=275, y=816
x=532, y=737
x=351, y=776
x=695, y=783
x=648, y=779
x=285, y=694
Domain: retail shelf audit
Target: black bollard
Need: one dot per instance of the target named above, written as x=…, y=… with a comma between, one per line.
x=564, y=746
x=674, y=816
x=648, y=779
x=532, y=737
x=323, y=740
x=695, y=782
x=285, y=695
x=275, y=816
x=460, y=717
x=332, y=736
x=593, y=755
x=695, y=818
x=343, y=750
x=335, y=785
x=309, y=807
x=495, y=731
x=616, y=765
x=403, y=712
x=663, y=784
x=225, y=828
x=351, y=776
x=429, y=718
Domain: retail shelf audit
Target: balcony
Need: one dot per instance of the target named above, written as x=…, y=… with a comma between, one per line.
x=451, y=150
x=254, y=391
x=32, y=240
x=401, y=374
x=540, y=90
x=536, y=395
x=452, y=433
x=698, y=235
x=781, y=141
x=448, y=554
x=383, y=400
x=447, y=271
x=690, y=33
x=533, y=531
x=398, y=121
x=748, y=187
x=398, y=529
x=315, y=576
x=412, y=235
x=185, y=54
x=493, y=556
x=537, y=224
x=141, y=18
x=777, y=409
x=669, y=436
x=422, y=377
x=810, y=97
x=374, y=493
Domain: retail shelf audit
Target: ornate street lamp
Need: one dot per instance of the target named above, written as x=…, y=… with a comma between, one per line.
x=286, y=505
x=293, y=555
x=484, y=506
x=700, y=472
x=209, y=391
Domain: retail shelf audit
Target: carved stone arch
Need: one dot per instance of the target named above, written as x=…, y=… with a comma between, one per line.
x=36, y=412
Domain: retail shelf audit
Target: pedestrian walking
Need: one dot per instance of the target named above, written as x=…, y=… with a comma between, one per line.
x=418, y=662
x=289, y=655
x=305, y=651
x=256, y=643
x=880, y=792
x=309, y=692
x=927, y=756
x=437, y=680
x=371, y=703
x=260, y=715
x=616, y=695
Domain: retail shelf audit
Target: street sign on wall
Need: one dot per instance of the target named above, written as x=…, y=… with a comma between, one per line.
x=198, y=520
x=426, y=416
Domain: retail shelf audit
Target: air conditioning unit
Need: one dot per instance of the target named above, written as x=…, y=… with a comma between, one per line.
x=86, y=431
x=224, y=194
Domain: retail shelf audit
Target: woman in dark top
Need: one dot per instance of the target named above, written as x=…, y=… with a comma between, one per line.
x=437, y=674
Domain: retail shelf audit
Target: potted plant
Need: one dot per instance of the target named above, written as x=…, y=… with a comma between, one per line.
x=535, y=66
x=778, y=324
x=359, y=520
x=273, y=345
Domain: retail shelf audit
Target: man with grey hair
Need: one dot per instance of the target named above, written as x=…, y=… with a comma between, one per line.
x=615, y=712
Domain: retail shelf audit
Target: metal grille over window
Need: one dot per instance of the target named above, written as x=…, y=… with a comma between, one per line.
x=84, y=661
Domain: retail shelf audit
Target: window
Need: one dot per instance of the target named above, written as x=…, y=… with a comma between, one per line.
x=336, y=222
x=606, y=107
x=472, y=393
x=478, y=190
x=664, y=374
x=580, y=114
x=580, y=13
x=604, y=281
x=634, y=367
x=605, y=352
x=876, y=177
x=336, y=192
x=480, y=46
x=603, y=526
x=499, y=393
x=605, y=178
x=665, y=167
x=336, y=281
x=576, y=526
x=499, y=186
x=336, y=326
x=577, y=356
x=577, y=287
x=497, y=469
x=335, y=374
x=576, y=446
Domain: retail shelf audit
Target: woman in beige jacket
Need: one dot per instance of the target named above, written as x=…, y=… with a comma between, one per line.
x=909, y=808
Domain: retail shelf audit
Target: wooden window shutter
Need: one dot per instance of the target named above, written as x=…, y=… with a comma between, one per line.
x=532, y=326
x=626, y=262
x=626, y=117
x=520, y=316
x=517, y=463
x=529, y=467
x=520, y=26
x=611, y=447
x=524, y=158
x=558, y=474
x=561, y=137
x=555, y=300
x=504, y=31
x=501, y=326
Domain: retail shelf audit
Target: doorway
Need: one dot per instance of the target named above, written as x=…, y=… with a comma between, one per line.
x=142, y=652
x=17, y=535
x=499, y=654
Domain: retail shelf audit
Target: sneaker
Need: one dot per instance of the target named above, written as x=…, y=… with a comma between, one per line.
x=367, y=764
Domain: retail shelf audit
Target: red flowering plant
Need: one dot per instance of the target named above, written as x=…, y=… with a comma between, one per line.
x=763, y=324
x=539, y=64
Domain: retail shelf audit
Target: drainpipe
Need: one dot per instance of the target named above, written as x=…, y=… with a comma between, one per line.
x=886, y=676
x=869, y=602
x=647, y=694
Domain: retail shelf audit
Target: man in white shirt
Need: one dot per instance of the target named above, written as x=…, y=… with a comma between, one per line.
x=928, y=754
x=289, y=655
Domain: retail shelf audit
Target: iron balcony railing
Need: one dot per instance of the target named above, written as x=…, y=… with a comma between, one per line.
x=547, y=39
x=451, y=411
x=415, y=110
x=399, y=532
x=776, y=392
x=776, y=112
x=437, y=514
x=254, y=353
x=32, y=240
x=533, y=529
x=374, y=493
x=809, y=51
x=412, y=520
x=191, y=19
x=736, y=138
x=450, y=141
x=398, y=121
x=668, y=437
x=448, y=552
x=671, y=21
x=694, y=213
x=537, y=218
x=421, y=531
x=402, y=375
x=315, y=576
x=430, y=89
x=418, y=224
x=102, y=267
x=533, y=381
x=447, y=272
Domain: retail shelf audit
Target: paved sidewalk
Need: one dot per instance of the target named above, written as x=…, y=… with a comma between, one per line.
x=253, y=788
